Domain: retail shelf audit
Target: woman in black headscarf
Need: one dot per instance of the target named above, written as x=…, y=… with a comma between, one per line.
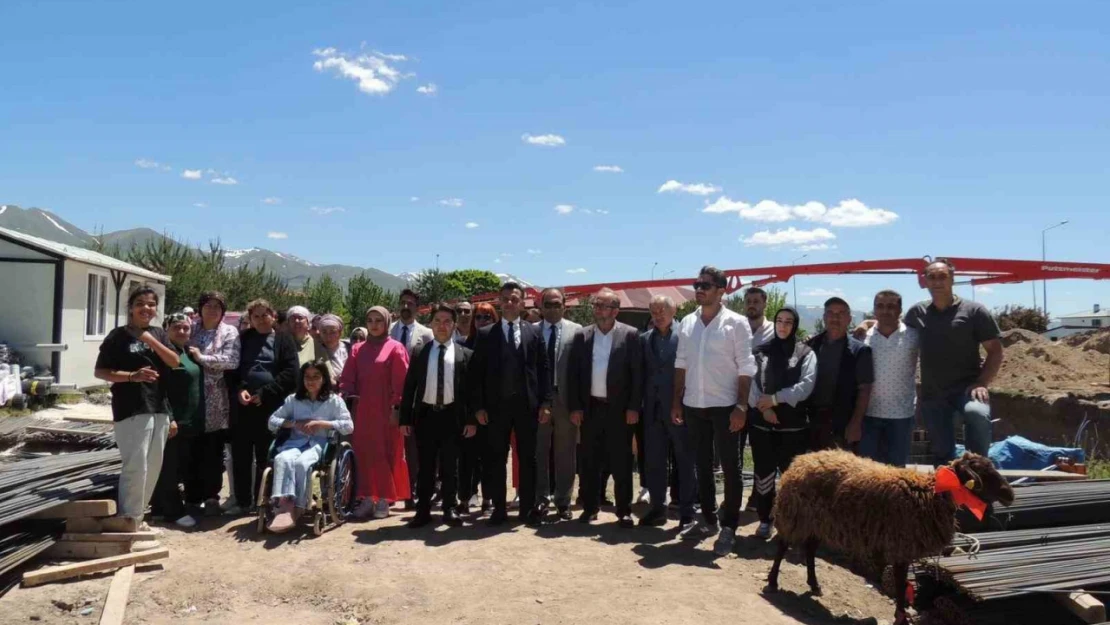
x=786, y=370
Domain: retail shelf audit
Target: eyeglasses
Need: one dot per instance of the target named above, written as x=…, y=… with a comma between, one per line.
x=178, y=317
x=704, y=286
x=483, y=317
x=462, y=311
x=603, y=305
x=552, y=305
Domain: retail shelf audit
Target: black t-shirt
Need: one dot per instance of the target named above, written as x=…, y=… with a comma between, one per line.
x=121, y=351
x=950, y=340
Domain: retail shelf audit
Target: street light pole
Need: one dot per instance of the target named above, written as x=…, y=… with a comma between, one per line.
x=653, y=269
x=794, y=279
x=1044, y=257
x=437, y=262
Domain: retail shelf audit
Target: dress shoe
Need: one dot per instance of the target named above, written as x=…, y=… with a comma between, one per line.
x=625, y=521
x=538, y=514
x=564, y=513
x=654, y=518
x=463, y=509
x=498, y=517
x=587, y=517
x=410, y=505
x=421, y=519
x=606, y=502
x=451, y=518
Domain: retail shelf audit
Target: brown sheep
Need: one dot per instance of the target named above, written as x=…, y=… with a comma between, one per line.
x=873, y=511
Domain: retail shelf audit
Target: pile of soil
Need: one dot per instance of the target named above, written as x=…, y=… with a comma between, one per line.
x=1098, y=341
x=1035, y=365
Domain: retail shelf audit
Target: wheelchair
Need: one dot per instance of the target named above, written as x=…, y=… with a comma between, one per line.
x=331, y=480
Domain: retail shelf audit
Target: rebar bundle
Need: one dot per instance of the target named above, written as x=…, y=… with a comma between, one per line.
x=20, y=546
x=1056, y=504
x=1018, y=538
x=31, y=486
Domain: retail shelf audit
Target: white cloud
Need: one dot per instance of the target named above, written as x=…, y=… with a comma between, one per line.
x=146, y=163
x=601, y=211
x=372, y=72
x=227, y=180
x=414, y=199
x=824, y=293
x=816, y=247
x=534, y=252
x=505, y=255
x=698, y=188
x=428, y=89
x=191, y=174
x=610, y=169
x=550, y=141
x=578, y=270
x=984, y=289
x=271, y=200
x=789, y=236
x=847, y=214
x=327, y=210
x=564, y=209
x=453, y=202
x=471, y=225
x=277, y=235
x=200, y=205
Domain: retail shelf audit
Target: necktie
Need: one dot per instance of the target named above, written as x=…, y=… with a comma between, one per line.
x=439, y=376
x=512, y=335
x=551, y=357
x=405, y=335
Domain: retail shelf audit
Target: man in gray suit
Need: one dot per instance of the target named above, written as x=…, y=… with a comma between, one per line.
x=659, y=346
x=558, y=336
x=413, y=335
x=605, y=382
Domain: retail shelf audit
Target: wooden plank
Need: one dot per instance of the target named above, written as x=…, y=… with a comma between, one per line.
x=74, y=509
x=63, y=431
x=69, y=571
x=67, y=550
x=1084, y=606
x=1056, y=476
x=83, y=525
x=89, y=419
x=116, y=603
x=109, y=537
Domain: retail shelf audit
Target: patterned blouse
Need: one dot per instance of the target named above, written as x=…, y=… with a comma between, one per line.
x=219, y=349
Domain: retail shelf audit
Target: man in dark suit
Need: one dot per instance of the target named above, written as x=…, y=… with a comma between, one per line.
x=604, y=397
x=510, y=392
x=433, y=409
x=659, y=346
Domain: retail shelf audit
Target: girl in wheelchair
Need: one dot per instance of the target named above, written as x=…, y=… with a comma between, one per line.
x=310, y=415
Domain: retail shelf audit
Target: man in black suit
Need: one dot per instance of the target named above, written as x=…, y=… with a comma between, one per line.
x=510, y=391
x=604, y=399
x=434, y=408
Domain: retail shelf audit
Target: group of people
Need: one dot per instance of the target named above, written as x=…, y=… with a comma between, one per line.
x=432, y=412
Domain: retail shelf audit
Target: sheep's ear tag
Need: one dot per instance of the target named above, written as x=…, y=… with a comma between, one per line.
x=948, y=482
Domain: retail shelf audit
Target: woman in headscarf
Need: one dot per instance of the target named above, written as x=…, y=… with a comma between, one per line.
x=470, y=449
x=374, y=376
x=358, y=335
x=299, y=321
x=215, y=345
x=786, y=370
x=185, y=390
x=333, y=348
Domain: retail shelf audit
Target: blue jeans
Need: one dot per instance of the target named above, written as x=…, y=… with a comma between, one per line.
x=291, y=472
x=940, y=420
x=886, y=440
x=659, y=433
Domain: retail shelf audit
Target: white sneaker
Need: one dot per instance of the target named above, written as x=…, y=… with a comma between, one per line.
x=475, y=501
x=228, y=504
x=645, y=496
x=186, y=522
x=764, y=530
x=144, y=527
x=364, y=509
x=144, y=545
x=726, y=540
x=698, y=530
x=381, y=509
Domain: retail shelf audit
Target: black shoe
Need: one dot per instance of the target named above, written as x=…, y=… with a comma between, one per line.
x=463, y=509
x=451, y=518
x=625, y=521
x=654, y=518
x=421, y=519
x=538, y=515
x=410, y=505
x=586, y=517
x=498, y=517
x=606, y=502
x=564, y=513
x=533, y=518
x=487, y=505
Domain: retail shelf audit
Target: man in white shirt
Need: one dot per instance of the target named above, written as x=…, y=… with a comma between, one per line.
x=413, y=335
x=558, y=437
x=434, y=413
x=888, y=424
x=713, y=376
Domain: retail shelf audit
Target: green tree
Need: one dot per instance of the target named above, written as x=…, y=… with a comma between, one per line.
x=325, y=296
x=432, y=286
x=362, y=294
x=1015, y=317
x=467, y=283
x=686, y=308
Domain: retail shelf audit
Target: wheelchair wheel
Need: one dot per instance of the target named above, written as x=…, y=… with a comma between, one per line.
x=340, y=481
x=264, y=490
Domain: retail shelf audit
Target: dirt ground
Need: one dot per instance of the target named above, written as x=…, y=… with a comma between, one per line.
x=382, y=572
x=1036, y=366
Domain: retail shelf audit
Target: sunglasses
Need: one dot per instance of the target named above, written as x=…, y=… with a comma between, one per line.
x=552, y=305
x=602, y=306
x=462, y=311
x=483, y=317
x=704, y=286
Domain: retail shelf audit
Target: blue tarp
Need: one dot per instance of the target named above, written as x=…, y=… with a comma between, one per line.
x=1018, y=452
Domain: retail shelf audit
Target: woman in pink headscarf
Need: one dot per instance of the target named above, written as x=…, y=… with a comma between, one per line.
x=374, y=376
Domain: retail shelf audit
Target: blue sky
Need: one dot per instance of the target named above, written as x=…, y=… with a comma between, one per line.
x=961, y=129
